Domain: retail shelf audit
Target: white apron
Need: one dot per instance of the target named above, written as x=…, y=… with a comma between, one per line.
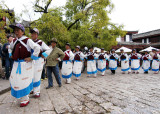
x=124, y=66
x=21, y=79
x=155, y=65
x=101, y=65
x=77, y=68
x=112, y=64
x=91, y=67
x=146, y=65
x=135, y=64
x=66, y=69
x=38, y=67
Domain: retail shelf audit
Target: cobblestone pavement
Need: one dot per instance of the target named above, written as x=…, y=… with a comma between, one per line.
x=115, y=94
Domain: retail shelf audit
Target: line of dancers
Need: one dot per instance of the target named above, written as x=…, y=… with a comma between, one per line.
x=28, y=56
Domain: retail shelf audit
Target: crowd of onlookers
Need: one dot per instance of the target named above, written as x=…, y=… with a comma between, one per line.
x=5, y=62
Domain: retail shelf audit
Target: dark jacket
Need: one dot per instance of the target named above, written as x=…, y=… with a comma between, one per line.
x=5, y=51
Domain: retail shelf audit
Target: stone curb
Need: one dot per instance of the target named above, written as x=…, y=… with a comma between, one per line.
x=5, y=90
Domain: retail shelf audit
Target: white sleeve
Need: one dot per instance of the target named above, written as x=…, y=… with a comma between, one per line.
x=117, y=57
x=11, y=45
x=45, y=47
x=47, y=53
x=82, y=55
x=139, y=55
x=71, y=55
x=9, y=49
x=158, y=56
x=150, y=57
x=85, y=56
x=106, y=56
x=109, y=57
x=120, y=58
x=127, y=57
x=34, y=46
x=96, y=56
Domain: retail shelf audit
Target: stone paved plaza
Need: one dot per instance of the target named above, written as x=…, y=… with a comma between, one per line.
x=115, y=94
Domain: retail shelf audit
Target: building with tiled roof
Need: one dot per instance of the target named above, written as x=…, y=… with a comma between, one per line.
x=140, y=41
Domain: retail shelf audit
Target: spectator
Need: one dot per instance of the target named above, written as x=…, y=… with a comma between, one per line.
x=55, y=55
x=8, y=60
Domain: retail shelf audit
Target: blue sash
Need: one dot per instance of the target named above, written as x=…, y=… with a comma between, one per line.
x=19, y=66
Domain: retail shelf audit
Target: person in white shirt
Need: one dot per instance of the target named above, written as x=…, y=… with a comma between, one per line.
x=135, y=61
x=102, y=57
x=146, y=62
x=113, y=61
x=155, y=62
x=91, y=63
x=21, y=78
x=78, y=58
x=38, y=64
x=124, y=62
x=67, y=64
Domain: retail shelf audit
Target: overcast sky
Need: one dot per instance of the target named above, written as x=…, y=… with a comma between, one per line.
x=142, y=15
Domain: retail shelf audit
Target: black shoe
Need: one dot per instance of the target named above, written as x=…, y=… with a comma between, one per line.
x=48, y=87
x=3, y=78
x=60, y=85
x=145, y=72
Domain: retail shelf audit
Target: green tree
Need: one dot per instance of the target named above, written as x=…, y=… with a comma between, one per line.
x=42, y=8
x=50, y=23
x=6, y=17
x=50, y=26
x=89, y=23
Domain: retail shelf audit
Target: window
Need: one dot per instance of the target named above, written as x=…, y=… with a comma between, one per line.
x=118, y=39
x=130, y=37
x=146, y=40
x=127, y=38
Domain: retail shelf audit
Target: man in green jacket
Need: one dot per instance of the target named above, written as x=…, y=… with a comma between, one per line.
x=53, y=57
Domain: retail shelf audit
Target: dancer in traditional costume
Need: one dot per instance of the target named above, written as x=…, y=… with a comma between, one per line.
x=102, y=57
x=113, y=61
x=78, y=58
x=21, y=79
x=146, y=62
x=38, y=64
x=91, y=63
x=135, y=61
x=67, y=64
x=124, y=58
x=155, y=62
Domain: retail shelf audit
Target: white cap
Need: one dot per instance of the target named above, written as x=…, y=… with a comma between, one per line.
x=78, y=47
x=35, y=30
x=85, y=48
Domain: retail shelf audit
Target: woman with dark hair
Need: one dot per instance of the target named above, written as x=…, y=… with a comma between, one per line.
x=91, y=63
x=135, y=61
x=113, y=61
x=21, y=78
x=146, y=62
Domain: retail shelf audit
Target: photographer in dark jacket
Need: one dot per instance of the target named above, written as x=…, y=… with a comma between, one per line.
x=8, y=60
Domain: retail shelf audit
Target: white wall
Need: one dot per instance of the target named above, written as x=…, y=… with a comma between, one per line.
x=127, y=38
x=118, y=39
